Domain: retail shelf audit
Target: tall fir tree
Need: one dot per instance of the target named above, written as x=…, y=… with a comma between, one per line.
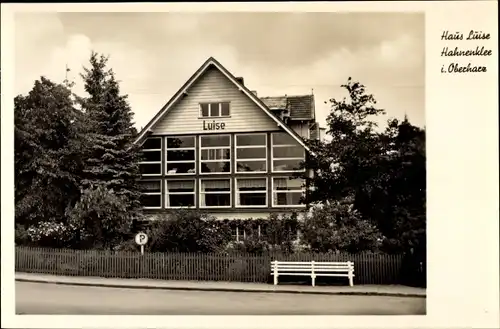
x=111, y=158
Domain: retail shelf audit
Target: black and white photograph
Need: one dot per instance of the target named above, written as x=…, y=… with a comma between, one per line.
x=286, y=153
x=221, y=163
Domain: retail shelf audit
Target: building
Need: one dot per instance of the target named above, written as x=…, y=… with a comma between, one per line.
x=218, y=147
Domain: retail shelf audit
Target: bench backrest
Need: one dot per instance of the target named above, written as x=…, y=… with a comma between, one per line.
x=309, y=266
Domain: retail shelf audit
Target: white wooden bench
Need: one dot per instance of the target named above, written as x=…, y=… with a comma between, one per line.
x=313, y=269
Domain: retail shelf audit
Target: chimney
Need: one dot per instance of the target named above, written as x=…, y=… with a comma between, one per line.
x=240, y=80
x=254, y=92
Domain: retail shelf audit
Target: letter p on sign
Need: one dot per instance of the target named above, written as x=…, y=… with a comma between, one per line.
x=141, y=239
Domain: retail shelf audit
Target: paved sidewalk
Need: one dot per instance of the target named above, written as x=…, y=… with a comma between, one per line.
x=380, y=290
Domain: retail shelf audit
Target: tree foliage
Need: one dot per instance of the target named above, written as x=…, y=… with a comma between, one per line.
x=111, y=158
x=381, y=172
x=47, y=153
x=75, y=167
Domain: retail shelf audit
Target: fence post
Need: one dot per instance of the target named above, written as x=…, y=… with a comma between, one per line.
x=351, y=269
x=275, y=270
x=313, y=276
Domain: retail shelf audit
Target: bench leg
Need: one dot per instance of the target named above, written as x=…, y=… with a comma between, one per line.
x=351, y=283
x=275, y=279
x=313, y=280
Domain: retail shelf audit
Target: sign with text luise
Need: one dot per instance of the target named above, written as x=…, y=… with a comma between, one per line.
x=213, y=125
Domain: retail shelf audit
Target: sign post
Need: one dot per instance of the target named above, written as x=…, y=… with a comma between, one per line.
x=141, y=239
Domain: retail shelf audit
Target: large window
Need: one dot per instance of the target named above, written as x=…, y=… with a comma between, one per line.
x=287, y=192
x=251, y=153
x=215, y=154
x=214, y=110
x=251, y=192
x=180, y=193
x=181, y=155
x=150, y=164
x=287, y=153
x=151, y=193
x=215, y=193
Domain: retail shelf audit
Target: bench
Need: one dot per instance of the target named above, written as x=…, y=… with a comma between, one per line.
x=313, y=269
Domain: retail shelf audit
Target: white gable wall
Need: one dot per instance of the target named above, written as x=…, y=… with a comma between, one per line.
x=213, y=86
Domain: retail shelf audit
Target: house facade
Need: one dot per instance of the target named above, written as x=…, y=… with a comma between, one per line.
x=218, y=147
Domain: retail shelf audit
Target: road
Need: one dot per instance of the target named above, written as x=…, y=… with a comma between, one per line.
x=43, y=298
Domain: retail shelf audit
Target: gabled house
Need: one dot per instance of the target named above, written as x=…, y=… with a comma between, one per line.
x=218, y=147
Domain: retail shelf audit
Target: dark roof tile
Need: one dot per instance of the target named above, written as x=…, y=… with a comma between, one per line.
x=301, y=107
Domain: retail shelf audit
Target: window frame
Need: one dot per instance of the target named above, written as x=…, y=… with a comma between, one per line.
x=292, y=158
x=237, y=192
x=153, y=193
x=200, y=111
x=303, y=190
x=193, y=148
x=153, y=162
x=167, y=194
x=236, y=147
x=201, y=148
x=200, y=192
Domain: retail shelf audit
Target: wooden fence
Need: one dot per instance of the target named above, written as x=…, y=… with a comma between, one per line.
x=370, y=268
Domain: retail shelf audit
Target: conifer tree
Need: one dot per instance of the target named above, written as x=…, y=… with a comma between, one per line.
x=111, y=159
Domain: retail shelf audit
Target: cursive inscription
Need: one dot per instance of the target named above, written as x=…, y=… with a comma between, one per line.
x=464, y=49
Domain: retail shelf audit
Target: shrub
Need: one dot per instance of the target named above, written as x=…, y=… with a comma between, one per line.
x=51, y=234
x=339, y=227
x=281, y=231
x=251, y=245
x=186, y=231
x=21, y=235
x=101, y=218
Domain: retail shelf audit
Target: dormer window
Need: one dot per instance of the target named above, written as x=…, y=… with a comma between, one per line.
x=214, y=110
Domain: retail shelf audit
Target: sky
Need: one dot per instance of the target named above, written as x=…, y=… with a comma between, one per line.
x=154, y=54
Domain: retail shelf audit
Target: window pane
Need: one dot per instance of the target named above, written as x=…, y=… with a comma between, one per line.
x=285, y=184
x=214, y=110
x=213, y=167
x=150, y=168
x=212, y=185
x=184, y=155
x=151, y=156
x=181, y=141
x=287, y=199
x=251, y=153
x=216, y=200
x=153, y=186
x=251, y=140
x=180, y=186
x=152, y=144
x=254, y=184
x=286, y=165
x=181, y=200
x=252, y=199
x=249, y=166
x=225, y=109
x=204, y=110
x=216, y=140
x=283, y=139
x=181, y=168
x=215, y=154
x=289, y=152
x=148, y=200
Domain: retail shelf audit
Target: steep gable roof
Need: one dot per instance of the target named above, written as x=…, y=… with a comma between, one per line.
x=301, y=107
x=212, y=62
